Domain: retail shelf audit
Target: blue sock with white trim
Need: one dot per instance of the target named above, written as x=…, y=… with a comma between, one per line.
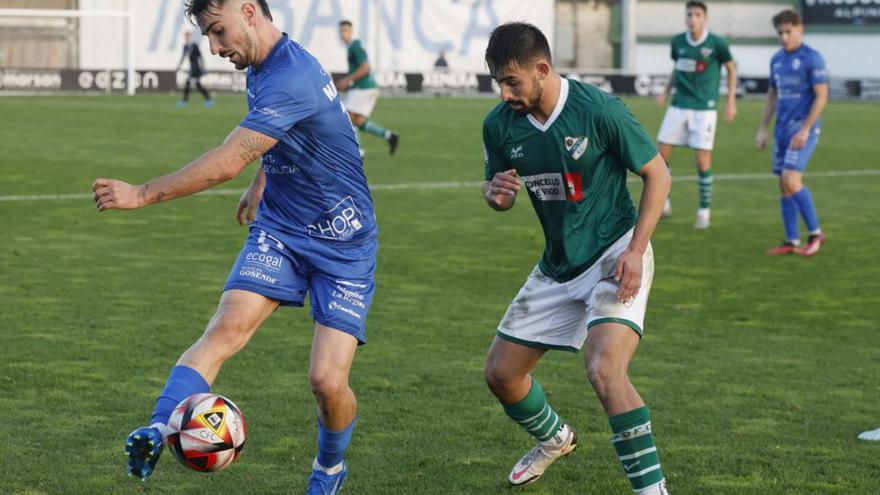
x=332, y=444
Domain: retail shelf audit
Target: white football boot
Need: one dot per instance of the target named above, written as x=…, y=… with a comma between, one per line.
x=656, y=489
x=536, y=461
x=873, y=435
x=702, y=220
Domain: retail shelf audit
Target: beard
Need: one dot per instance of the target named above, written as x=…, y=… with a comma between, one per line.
x=530, y=102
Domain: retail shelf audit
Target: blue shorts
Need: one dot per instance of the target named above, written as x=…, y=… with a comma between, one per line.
x=785, y=158
x=338, y=276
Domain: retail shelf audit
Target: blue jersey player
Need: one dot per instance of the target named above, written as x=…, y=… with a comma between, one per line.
x=313, y=232
x=798, y=93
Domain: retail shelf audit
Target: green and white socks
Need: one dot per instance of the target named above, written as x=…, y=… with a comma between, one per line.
x=635, y=448
x=706, y=181
x=534, y=414
x=371, y=127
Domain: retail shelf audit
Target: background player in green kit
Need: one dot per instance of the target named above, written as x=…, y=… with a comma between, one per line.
x=572, y=144
x=361, y=90
x=691, y=119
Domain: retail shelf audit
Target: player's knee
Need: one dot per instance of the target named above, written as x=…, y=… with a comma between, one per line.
x=604, y=373
x=228, y=334
x=327, y=385
x=498, y=380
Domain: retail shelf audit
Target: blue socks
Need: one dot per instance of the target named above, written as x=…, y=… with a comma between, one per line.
x=790, y=217
x=182, y=382
x=332, y=444
x=808, y=209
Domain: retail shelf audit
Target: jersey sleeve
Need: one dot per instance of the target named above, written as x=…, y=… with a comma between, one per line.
x=492, y=156
x=723, y=51
x=358, y=53
x=673, y=53
x=818, y=72
x=280, y=104
x=625, y=137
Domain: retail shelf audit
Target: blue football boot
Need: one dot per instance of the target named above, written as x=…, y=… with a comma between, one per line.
x=143, y=447
x=321, y=483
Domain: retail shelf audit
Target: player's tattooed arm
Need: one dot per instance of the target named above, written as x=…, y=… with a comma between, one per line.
x=219, y=165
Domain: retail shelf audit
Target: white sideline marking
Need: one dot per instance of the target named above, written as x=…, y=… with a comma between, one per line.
x=461, y=185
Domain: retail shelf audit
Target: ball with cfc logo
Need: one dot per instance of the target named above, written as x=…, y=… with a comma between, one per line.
x=207, y=432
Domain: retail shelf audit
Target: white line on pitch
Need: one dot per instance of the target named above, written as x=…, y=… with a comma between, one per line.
x=463, y=185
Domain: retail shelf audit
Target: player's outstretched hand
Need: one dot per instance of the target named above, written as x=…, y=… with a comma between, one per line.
x=118, y=195
x=761, y=138
x=629, y=275
x=247, y=205
x=503, y=188
x=661, y=99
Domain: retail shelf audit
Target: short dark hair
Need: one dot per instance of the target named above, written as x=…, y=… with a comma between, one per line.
x=515, y=42
x=787, y=16
x=345, y=22
x=698, y=4
x=196, y=8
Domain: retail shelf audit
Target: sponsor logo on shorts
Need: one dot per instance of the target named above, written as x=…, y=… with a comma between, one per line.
x=266, y=260
x=335, y=306
x=257, y=274
x=264, y=246
x=349, y=295
x=340, y=223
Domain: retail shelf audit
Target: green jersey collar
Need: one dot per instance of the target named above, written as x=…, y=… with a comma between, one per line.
x=693, y=42
x=560, y=104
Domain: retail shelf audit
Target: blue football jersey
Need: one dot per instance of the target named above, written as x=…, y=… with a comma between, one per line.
x=793, y=75
x=315, y=183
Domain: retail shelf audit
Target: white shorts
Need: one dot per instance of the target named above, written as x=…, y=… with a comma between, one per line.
x=550, y=315
x=685, y=127
x=361, y=101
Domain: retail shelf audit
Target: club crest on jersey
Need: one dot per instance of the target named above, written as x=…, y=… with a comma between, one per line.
x=705, y=52
x=516, y=152
x=576, y=146
x=796, y=64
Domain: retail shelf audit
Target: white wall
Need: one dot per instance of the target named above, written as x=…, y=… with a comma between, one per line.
x=404, y=35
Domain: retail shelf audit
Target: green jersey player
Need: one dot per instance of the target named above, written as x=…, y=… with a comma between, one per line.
x=691, y=119
x=572, y=145
x=361, y=90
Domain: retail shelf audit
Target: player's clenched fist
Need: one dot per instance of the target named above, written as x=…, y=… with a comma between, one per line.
x=116, y=194
x=501, y=191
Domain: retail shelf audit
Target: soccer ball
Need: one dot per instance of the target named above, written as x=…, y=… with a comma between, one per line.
x=207, y=432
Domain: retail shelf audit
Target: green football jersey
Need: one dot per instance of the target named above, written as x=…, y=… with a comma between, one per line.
x=574, y=167
x=356, y=57
x=697, y=73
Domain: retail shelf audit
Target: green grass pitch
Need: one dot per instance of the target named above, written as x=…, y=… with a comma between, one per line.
x=760, y=372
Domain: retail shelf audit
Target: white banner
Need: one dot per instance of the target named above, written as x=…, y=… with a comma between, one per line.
x=399, y=35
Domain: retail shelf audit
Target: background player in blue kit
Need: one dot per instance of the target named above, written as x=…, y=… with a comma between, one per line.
x=314, y=230
x=192, y=52
x=798, y=93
